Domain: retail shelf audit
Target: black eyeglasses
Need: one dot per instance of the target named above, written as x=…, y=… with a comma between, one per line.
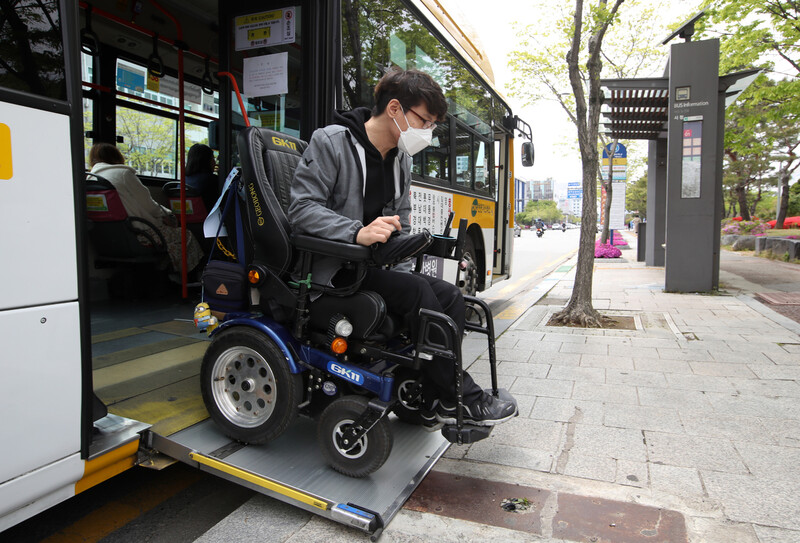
x=427, y=124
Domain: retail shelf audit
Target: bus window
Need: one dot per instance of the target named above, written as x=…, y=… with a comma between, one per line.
x=464, y=158
x=433, y=163
x=149, y=142
x=273, y=103
x=32, y=50
x=379, y=34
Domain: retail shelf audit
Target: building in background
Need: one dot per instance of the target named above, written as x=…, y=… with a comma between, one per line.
x=542, y=190
x=522, y=194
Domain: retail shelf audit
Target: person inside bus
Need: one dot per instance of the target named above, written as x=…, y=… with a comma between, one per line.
x=107, y=161
x=200, y=174
x=353, y=185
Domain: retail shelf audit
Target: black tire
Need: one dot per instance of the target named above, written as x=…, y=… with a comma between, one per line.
x=372, y=449
x=468, y=280
x=406, y=410
x=247, y=387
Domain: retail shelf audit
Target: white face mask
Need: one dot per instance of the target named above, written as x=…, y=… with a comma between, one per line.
x=413, y=140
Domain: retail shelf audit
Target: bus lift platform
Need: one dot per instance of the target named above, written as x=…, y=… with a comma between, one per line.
x=292, y=470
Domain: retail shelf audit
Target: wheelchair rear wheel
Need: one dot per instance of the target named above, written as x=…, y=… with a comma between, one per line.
x=247, y=387
x=368, y=454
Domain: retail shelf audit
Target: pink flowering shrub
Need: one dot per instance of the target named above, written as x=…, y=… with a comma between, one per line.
x=752, y=228
x=606, y=251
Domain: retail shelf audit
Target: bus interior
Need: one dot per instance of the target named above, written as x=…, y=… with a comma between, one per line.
x=146, y=350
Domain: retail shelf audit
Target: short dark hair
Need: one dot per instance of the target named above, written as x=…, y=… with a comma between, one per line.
x=198, y=159
x=105, y=152
x=410, y=87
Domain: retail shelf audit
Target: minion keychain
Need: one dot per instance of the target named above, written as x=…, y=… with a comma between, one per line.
x=203, y=318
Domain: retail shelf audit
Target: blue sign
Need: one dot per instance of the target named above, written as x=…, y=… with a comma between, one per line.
x=620, y=152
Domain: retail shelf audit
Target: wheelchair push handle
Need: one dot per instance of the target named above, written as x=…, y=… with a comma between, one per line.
x=461, y=239
x=446, y=232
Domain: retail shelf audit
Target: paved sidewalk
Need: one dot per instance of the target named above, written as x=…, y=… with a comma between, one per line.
x=694, y=414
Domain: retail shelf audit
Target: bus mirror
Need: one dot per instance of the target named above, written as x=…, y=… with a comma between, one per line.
x=527, y=153
x=213, y=136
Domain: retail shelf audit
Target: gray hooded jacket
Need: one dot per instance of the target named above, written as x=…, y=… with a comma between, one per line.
x=327, y=196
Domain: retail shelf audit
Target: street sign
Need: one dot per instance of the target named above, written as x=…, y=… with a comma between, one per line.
x=617, y=176
x=619, y=152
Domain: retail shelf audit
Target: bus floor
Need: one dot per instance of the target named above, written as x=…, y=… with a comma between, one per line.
x=146, y=356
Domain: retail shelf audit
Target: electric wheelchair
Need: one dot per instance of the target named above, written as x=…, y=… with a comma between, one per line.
x=334, y=354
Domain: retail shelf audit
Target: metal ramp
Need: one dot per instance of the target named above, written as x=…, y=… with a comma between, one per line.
x=292, y=470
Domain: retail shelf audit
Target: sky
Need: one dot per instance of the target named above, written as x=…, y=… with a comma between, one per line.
x=552, y=130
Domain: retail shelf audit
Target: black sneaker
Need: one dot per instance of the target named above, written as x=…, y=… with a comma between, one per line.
x=486, y=411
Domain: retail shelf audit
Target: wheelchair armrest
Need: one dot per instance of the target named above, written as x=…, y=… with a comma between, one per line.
x=344, y=251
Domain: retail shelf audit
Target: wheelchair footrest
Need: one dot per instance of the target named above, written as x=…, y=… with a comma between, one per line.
x=470, y=433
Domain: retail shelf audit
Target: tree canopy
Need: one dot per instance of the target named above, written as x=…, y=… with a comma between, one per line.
x=762, y=139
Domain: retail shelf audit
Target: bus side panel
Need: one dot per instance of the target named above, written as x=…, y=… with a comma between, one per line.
x=34, y=492
x=38, y=218
x=40, y=394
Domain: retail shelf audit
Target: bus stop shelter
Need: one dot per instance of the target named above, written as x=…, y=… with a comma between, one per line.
x=682, y=116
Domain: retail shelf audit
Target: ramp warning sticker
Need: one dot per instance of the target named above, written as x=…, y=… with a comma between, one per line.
x=265, y=28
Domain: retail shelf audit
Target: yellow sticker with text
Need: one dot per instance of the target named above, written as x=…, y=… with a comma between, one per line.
x=6, y=171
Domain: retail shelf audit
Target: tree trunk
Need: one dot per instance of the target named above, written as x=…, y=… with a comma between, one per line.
x=580, y=310
x=755, y=202
x=741, y=196
x=784, y=184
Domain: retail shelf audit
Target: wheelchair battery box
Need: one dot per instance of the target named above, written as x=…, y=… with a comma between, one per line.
x=225, y=287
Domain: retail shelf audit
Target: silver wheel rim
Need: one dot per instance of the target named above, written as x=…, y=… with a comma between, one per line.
x=358, y=450
x=243, y=387
x=402, y=391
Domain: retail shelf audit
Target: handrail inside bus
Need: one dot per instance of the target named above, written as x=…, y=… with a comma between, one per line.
x=238, y=94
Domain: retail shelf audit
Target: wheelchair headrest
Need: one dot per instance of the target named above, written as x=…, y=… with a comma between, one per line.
x=269, y=159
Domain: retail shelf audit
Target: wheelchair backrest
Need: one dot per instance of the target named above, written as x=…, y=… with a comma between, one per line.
x=269, y=160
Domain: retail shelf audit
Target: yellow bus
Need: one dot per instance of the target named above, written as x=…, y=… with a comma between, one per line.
x=100, y=356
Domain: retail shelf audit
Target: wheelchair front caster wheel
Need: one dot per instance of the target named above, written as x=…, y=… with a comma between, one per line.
x=247, y=387
x=368, y=453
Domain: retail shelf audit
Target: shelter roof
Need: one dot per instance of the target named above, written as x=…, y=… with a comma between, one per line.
x=635, y=109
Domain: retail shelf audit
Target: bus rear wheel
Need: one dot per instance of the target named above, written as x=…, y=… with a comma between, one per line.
x=247, y=387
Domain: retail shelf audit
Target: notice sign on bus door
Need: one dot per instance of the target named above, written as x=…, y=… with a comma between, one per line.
x=265, y=28
x=6, y=169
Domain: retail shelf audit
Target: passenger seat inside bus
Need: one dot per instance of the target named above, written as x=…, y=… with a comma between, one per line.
x=196, y=211
x=119, y=240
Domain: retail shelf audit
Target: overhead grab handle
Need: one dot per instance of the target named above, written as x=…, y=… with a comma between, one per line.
x=207, y=84
x=90, y=44
x=155, y=66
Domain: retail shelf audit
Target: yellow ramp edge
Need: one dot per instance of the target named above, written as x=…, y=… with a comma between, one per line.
x=263, y=482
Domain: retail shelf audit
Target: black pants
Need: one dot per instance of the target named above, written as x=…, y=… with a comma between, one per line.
x=407, y=293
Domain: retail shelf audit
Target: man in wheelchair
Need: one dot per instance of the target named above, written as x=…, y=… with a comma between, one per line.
x=353, y=185
x=329, y=328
